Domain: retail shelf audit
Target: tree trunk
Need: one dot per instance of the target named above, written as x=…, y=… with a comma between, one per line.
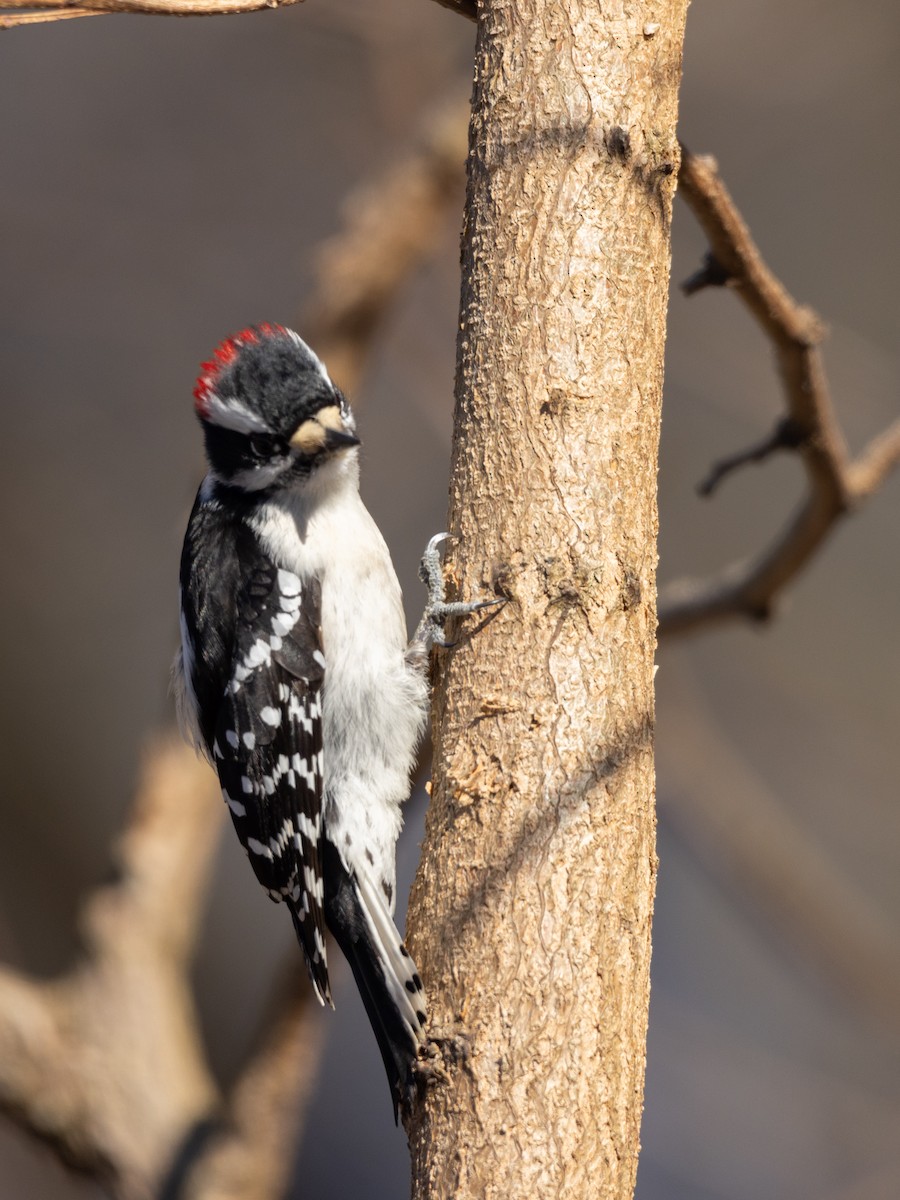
x=530, y=916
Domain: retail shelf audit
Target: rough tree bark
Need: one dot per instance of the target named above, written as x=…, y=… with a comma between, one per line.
x=530, y=915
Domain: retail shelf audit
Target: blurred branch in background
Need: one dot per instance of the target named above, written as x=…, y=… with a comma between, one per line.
x=31, y=12
x=746, y=838
x=837, y=485
x=107, y=1064
x=252, y=1154
x=389, y=227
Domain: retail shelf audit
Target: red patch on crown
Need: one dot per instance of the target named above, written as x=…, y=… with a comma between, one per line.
x=223, y=356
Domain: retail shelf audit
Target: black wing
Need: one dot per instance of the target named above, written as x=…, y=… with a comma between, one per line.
x=268, y=745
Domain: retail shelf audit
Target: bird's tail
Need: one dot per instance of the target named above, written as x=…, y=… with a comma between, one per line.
x=386, y=976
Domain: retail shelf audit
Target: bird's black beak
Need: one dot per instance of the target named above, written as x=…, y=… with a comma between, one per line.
x=337, y=439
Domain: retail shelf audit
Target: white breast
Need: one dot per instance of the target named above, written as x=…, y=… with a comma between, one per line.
x=374, y=703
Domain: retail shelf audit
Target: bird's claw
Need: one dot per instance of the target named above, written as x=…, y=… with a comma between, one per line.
x=438, y=610
x=431, y=571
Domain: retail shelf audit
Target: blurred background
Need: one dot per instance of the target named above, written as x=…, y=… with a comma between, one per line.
x=167, y=182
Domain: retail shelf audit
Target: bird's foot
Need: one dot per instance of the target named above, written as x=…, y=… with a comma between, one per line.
x=438, y=611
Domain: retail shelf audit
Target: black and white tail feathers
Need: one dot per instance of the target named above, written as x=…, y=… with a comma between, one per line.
x=386, y=976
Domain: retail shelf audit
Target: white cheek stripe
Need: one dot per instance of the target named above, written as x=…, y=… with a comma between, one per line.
x=231, y=414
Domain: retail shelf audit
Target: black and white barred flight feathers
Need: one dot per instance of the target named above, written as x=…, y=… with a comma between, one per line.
x=268, y=747
x=292, y=676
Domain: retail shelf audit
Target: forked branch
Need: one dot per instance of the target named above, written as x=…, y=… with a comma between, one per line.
x=836, y=484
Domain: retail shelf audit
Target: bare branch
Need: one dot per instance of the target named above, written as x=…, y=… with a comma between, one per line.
x=11, y=20
x=164, y=856
x=875, y=463
x=252, y=1157
x=107, y=1063
x=29, y=12
x=836, y=485
x=785, y=436
x=538, y=864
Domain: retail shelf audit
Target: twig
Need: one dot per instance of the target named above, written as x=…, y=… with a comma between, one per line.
x=10, y=21
x=836, y=485
x=466, y=8
x=785, y=436
x=710, y=274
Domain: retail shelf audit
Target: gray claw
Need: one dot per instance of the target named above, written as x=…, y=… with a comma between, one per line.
x=438, y=610
x=431, y=571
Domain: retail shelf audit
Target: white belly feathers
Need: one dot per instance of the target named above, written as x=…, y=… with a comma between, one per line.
x=374, y=703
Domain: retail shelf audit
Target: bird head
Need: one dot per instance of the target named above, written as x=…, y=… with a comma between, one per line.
x=270, y=414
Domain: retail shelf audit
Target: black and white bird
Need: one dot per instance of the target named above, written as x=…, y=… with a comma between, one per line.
x=294, y=675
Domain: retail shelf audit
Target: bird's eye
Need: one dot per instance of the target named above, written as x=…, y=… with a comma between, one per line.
x=261, y=447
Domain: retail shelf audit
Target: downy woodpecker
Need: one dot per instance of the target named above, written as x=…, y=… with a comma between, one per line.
x=294, y=676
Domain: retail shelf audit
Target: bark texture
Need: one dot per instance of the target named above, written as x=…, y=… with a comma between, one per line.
x=530, y=916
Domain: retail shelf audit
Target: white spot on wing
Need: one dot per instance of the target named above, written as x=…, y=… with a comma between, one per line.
x=282, y=624
x=307, y=827
x=288, y=583
x=235, y=805
x=313, y=883
x=258, y=653
x=320, y=945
